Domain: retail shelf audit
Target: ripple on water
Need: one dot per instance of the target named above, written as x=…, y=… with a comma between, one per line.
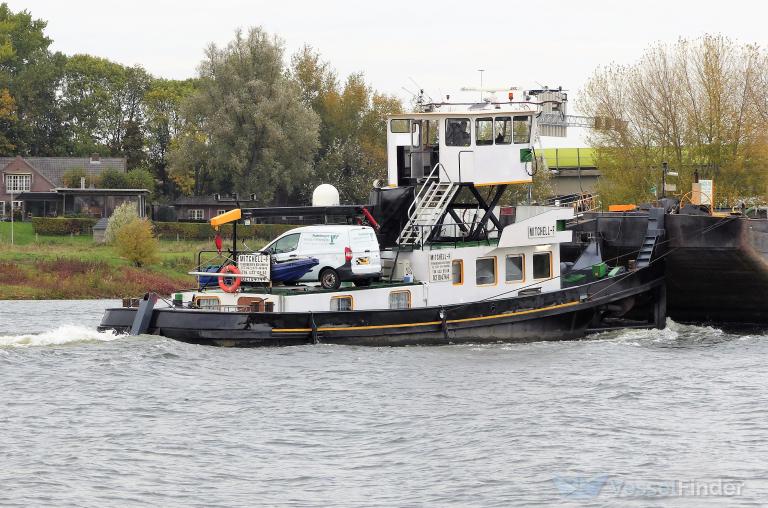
x=96, y=419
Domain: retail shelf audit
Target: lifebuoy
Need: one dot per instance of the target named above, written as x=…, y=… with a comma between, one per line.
x=229, y=288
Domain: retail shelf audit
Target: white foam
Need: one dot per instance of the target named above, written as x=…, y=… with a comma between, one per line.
x=64, y=334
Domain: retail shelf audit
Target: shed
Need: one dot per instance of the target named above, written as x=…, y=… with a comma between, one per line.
x=100, y=230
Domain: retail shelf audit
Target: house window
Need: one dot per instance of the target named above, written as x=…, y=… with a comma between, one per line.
x=207, y=302
x=515, y=268
x=341, y=303
x=219, y=212
x=196, y=214
x=485, y=271
x=18, y=183
x=503, y=130
x=542, y=265
x=17, y=205
x=521, y=129
x=457, y=272
x=457, y=132
x=400, y=300
x=484, y=131
x=2, y=207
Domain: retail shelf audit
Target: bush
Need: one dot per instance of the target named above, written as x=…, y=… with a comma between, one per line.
x=204, y=231
x=136, y=243
x=113, y=179
x=48, y=226
x=71, y=178
x=123, y=214
x=140, y=179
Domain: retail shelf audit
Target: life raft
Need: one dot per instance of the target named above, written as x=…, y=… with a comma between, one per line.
x=229, y=288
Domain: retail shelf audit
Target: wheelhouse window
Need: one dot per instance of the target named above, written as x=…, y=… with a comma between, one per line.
x=457, y=272
x=502, y=127
x=207, y=302
x=457, y=132
x=196, y=214
x=341, y=303
x=400, y=126
x=485, y=271
x=18, y=183
x=515, y=268
x=521, y=129
x=542, y=265
x=484, y=131
x=285, y=244
x=400, y=300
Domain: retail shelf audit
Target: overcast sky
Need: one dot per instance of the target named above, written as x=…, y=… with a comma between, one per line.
x=440, y=45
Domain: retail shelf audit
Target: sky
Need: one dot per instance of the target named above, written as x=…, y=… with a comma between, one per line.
x=399, y=45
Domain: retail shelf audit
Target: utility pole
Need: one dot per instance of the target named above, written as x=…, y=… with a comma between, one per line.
x=481, y=71
x=11, y=217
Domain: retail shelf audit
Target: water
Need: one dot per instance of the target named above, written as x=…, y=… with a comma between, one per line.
x=622, y=419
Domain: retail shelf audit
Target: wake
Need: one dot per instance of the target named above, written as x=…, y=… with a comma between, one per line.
x=65, y=334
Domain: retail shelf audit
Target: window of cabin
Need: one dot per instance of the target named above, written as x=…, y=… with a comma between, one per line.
x=515, y=268
x=485, y=271
x=542, y=265
x=502, y=127
x=15, y=184
x=196, y=214
x=484, y=131
x=521, y=129
x=341, y=303
x=429, y=133
x=400, y=126
x=457, y=132
x=285, y=244
x=207, y=302
x=400, y=300
x=457, y=272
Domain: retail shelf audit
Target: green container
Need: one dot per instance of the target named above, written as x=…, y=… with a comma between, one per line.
x=575, y=277
x=599, y=270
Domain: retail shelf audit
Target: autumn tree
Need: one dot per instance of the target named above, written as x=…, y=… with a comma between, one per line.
x=691, y=103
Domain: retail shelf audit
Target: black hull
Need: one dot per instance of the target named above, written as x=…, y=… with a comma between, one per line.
x=716, y=267
x=561, y=315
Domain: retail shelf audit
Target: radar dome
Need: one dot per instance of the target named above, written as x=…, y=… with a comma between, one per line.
x=325, y=195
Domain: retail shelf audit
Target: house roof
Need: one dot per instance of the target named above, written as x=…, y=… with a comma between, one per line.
x=53, y=168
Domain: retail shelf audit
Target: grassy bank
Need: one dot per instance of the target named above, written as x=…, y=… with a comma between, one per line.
x=73, y=267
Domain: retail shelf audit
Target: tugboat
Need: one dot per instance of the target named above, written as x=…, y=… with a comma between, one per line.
x=456, y=266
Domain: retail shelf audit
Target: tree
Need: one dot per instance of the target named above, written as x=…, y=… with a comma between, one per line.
x=123, y=215
x=692, y=104
x=8, y=119
x=136, y=242
x=248, y=123
x=31, y=74
x=164, y=123
x=113, y=179
x=72, y=178
x=133, y=144
x=101, y=101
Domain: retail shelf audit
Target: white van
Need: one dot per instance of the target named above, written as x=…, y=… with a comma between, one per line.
x=345, y=253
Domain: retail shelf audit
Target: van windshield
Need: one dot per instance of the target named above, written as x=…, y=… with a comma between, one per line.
x=287, y=243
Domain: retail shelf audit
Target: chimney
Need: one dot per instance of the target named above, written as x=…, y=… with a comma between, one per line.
x=82, y=182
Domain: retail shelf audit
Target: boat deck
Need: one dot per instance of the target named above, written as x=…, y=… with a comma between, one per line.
x=303, y=289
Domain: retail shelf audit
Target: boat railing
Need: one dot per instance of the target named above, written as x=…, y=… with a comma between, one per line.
x=427, y=184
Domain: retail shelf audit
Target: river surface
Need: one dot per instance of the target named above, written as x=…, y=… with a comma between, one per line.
x=674, y=417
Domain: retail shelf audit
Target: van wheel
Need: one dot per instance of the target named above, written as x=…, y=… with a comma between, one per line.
x=329, y=278
x=363, y=282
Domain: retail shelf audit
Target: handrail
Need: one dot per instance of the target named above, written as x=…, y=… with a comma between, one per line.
x=412, y=208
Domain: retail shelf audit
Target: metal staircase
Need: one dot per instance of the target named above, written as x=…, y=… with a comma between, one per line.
x=427, y=209
x=653, y=235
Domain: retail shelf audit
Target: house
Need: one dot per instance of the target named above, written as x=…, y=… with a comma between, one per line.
x=204, y=208
x=35, y=187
